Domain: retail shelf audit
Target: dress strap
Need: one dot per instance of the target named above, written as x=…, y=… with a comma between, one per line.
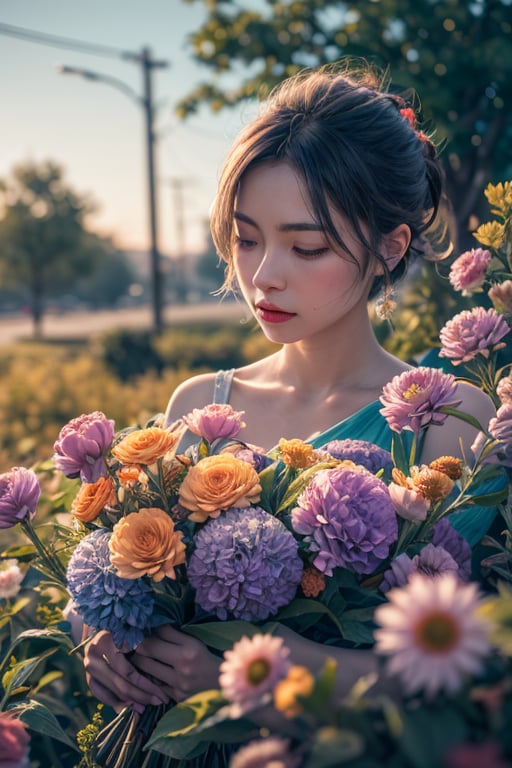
x=222, y=387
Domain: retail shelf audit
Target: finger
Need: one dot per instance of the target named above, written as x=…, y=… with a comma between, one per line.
x=152, y=667
x=116, y=673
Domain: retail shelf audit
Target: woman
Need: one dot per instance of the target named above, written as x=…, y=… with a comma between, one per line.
x=323, y=201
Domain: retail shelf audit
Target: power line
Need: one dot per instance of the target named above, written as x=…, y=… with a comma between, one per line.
x=56, y=41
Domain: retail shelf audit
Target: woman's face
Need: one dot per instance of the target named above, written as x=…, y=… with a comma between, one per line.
x=296, y=285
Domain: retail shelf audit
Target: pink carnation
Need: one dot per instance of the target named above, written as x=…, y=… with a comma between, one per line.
x=467, y=273
x=409, y=503
x=215, y=421
x=472, y=332
x=14, y=742
x=504, y=389
x=414, y=399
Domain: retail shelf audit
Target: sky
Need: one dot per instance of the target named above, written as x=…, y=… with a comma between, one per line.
x=96, y=132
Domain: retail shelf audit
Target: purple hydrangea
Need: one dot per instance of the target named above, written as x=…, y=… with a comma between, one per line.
x=348, y=520
x=19, y=494
x=81, y=446
x=105, y=601
x=245, y=565
x=414, y=399
x=432, y=561
x=472, y=332
x=361, y=452
x=445, y=535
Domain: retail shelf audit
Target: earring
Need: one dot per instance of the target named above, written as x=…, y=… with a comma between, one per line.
x=386, y=304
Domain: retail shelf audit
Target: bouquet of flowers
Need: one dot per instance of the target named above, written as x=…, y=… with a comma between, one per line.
x=223, y=540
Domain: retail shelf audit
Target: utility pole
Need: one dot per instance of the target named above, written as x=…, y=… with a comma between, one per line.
x=148, y=65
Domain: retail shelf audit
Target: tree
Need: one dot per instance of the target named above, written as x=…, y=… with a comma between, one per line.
x=454, y=53
x=44, y=245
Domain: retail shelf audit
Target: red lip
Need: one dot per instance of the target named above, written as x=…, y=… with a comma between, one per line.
x=269, y=313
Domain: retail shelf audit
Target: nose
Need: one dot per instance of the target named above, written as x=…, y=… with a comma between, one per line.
x=271, y=271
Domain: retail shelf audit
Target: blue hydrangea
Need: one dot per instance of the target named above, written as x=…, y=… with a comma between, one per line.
x=245, y=565
x=105, y=601
x=368, y=455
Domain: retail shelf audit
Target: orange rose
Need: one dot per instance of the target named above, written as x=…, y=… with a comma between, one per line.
x=92, y=498
x=144, y=543
x=145, y=446
x=216, y=483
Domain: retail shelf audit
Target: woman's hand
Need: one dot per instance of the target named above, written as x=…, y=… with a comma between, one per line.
x=114, y=680
x=183, y=664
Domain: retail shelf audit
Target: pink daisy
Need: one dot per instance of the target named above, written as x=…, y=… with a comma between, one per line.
x=432, y=633
x=472, y=332
x=261, y=753
x=467, y=273
x=252, y=668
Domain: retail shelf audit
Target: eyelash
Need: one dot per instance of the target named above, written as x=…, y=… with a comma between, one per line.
x=302, y=252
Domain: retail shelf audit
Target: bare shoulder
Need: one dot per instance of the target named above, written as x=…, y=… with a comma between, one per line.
x=456, y=436
x=195, y=392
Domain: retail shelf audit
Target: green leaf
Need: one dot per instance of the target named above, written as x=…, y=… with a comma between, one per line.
x=334, y=746
x=463, y=416
x=488, y=499
x=39, y=718
x=21, y=671
x=399, y=454
x=304, y=606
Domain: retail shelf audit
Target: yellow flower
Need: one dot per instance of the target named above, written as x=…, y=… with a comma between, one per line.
x=296, y=453
x=449, y=465
x=144, y=543
x=216, y=483
x=92, y=498
x=145, y=446
x=491, y=234
x=298, y=682
x=501, y=296
x=431, y=483
x=500, y=196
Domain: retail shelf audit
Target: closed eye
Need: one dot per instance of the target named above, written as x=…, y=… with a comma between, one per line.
x=243, y=243
x=312, y=253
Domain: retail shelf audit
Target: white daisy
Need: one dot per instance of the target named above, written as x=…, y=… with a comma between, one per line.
x=252, y=668
x=433, y=633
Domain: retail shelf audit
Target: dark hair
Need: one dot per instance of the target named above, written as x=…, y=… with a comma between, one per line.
x=345, y=136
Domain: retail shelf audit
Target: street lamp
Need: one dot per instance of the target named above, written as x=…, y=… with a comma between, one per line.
x=146, y=102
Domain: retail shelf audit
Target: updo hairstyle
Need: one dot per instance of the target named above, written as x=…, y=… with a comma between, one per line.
x=345, y=136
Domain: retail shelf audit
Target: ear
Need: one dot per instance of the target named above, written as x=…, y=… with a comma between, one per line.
x=394, y=246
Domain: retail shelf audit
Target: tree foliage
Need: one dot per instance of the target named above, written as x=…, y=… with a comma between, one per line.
x=454, y=53
x=45, y=248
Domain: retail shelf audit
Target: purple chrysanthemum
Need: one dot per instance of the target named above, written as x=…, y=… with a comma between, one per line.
x=431, y=561
x=19, y=494
x=361, y=452
x=245, y=565
x=414, y=399
x=472, y=332
x=81, y=445
x=347, y=519
x=445, y=535
x=467, y=273
x=104, y=600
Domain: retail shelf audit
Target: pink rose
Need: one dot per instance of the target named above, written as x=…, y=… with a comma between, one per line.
x=215, y=421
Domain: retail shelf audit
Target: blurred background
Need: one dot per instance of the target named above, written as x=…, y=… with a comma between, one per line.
x=116, y=120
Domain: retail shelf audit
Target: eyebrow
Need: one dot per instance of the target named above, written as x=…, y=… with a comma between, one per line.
x=299, y=226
